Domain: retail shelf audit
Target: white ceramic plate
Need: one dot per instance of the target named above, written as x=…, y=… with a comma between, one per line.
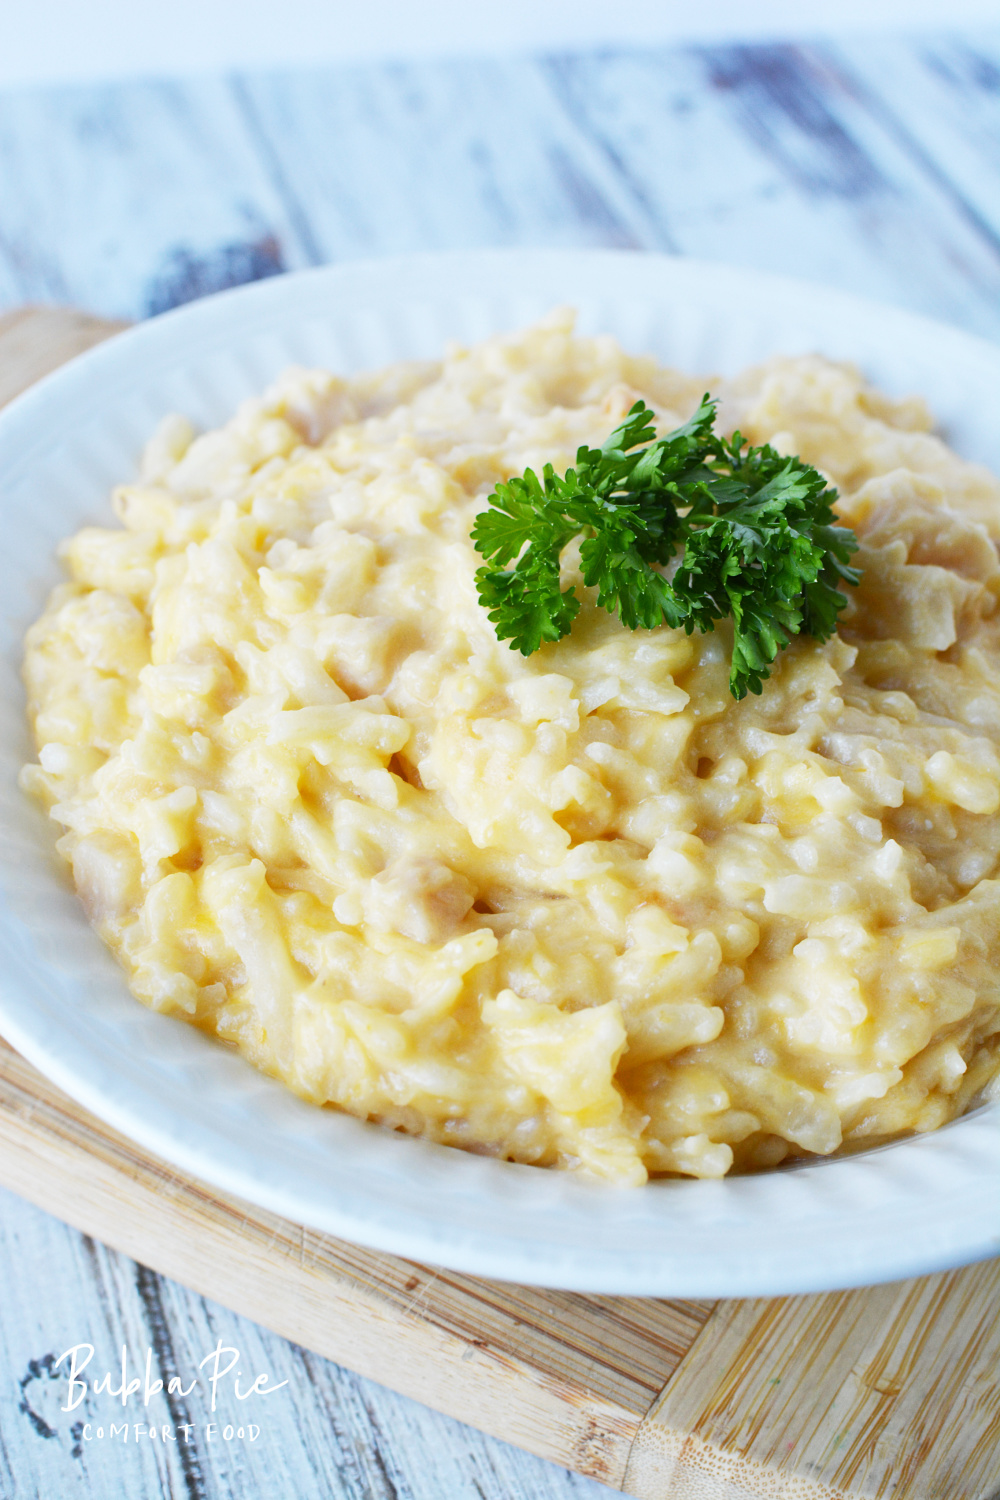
x=920, y=1205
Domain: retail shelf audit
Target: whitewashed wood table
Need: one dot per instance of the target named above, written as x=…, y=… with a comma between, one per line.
x=874, y=166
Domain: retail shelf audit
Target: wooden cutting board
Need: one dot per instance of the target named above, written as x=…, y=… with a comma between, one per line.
x=890, y=1391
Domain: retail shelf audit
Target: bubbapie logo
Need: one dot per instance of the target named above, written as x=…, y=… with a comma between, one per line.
x=219, y=1380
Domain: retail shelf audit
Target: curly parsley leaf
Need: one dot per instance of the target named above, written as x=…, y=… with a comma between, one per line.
x=751, y=534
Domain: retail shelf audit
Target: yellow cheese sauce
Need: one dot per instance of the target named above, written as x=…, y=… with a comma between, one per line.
x=581, y=909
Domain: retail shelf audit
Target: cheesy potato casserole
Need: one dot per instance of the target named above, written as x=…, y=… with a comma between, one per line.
x=580, y=909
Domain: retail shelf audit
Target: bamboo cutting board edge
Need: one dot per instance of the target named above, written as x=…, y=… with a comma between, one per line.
x=667, y=1400
x=886, y=1391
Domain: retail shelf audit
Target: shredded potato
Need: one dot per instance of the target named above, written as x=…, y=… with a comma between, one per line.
x=581, y=909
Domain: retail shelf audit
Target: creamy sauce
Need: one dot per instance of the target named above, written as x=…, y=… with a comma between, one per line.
x=580, y=909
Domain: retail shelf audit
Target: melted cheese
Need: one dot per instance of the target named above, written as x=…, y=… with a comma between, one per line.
x=582, y=909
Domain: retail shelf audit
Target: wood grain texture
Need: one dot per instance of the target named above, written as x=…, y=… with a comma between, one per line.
x=887, y=1391
x=777, y=158
x=37, y=340
x=940, y=98
x=440, y=155
x=329, y=1434
x=772, y=156
x=907, y=1397
x=564, y=1376
x=127, y=200
x=869, y=167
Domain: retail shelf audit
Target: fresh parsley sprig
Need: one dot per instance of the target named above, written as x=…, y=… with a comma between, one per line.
x=757, y=538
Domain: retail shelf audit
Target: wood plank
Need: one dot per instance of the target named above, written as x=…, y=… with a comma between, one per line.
x=769, y=157
x=940, y=96
x=773, y=156
x=843, y=1396
x=564, y=1376
x=447, y=155
x=884, y=1391
x=904, y=1397
x=126, y=200
x=327, y=1433
x=36, y=340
